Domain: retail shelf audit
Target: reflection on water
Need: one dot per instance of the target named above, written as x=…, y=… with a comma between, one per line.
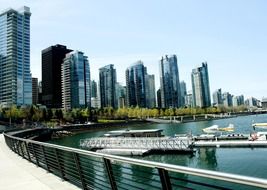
x=244, y=161
x=207, y=157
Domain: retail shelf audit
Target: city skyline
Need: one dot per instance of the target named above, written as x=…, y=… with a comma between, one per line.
x=230, y=36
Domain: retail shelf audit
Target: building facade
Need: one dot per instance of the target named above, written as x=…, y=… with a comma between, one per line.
x=200, y=86
x=15, y=74
x=76, y=91
x=227, y=99
x=107, y=85
x=264, y=103
x=183, y=92
x=238, y=100
x=135, y=85
x=217, y=97
x=120, y=95
x=52, y=59
x=169, y=82
x=150, y=91
x=93, y=89
x=158, y=99
x=35, y=91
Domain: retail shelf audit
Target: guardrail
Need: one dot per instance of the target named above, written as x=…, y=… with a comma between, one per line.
x=90, y=170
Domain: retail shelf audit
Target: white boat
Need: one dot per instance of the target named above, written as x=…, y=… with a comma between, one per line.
x=211, y=129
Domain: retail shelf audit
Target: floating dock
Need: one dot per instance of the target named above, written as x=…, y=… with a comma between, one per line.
x=230, y=143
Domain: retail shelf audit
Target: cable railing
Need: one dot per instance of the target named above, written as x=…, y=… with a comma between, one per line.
x=91, y=170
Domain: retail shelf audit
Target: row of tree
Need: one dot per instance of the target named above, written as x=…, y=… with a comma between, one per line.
x=35, y=114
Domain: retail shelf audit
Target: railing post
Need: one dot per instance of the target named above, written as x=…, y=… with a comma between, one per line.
x=43, y=151
x=16, y=147
x=77, y=162
x=59, y=165
x=27, y=150
x=35, y=155
x=165, y=179
x=110, y=174
x=20, y=149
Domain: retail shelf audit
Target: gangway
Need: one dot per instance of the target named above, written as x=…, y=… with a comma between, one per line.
x=148, y=143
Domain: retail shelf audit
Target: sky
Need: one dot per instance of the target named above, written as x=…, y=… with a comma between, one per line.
x=229, y=35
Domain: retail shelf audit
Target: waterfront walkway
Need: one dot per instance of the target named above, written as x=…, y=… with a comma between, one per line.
x=18, y=173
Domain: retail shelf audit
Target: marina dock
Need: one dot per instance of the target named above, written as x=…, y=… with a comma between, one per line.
x=230, y=143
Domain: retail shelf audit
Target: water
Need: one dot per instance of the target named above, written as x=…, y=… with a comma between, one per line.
x=244, y=161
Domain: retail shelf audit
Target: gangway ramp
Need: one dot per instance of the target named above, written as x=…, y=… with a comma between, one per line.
x=147, y=143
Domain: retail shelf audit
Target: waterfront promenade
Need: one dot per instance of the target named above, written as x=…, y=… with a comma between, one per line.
x=18, y=173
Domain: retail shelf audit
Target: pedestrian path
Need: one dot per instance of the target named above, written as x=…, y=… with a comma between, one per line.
x=18, y=173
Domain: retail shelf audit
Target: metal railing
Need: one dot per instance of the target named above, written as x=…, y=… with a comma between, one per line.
x=91, y=170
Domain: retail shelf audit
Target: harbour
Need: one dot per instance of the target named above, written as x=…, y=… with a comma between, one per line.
x=239, y=160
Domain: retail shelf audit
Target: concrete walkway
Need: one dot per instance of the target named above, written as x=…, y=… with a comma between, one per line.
x=18, y=173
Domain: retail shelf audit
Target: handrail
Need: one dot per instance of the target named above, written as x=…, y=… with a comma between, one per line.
x=244, y=180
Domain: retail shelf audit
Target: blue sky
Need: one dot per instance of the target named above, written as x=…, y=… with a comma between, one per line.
x=229, y=35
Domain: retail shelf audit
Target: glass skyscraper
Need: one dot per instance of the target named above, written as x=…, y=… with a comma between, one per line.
x=135, y=85
x=150, y=91
x=200, y=86
x=107, y=82
x=169, y=82
x=217, y=97
x=52, y=59
x=75, y=75
x=183, y=92
x=15, y=74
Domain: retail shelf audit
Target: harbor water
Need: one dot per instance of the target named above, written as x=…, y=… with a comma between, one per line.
x=243, y=161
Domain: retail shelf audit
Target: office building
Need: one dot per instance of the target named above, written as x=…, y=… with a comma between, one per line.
x=120, y=95
x=40, y=92
x=93, y=89
x=35, y=90
x=52, y=59
x=135, y=85
x=264, y=103
x=238, y=100
x=158, y=98
x=107, y=84
x=251, y=102
x=217, y=97
x=183, y=92
x=150, y=91
x=227, y=99
x=169, y=82
x=15, y=74
x=76, y=91
x=189, y=99
x=200, y=86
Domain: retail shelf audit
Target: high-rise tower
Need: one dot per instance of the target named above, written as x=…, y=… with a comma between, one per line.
x=52, y=59
x=15, y=74
x=135, y=85
x=76, y=91
x=200, y=86
x=107, y=82
x=169, y=82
